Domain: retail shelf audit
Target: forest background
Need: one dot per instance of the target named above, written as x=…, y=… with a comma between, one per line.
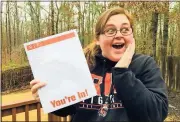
x=156, y=26
x=156, y=31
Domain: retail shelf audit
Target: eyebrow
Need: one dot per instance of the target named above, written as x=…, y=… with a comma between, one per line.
x=109, y=25
x=125, y=24
x=114, y=25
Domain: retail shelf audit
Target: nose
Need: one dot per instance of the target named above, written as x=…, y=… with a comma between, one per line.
x=118, y=34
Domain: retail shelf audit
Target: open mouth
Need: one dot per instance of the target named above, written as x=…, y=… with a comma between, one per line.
x=118, y=46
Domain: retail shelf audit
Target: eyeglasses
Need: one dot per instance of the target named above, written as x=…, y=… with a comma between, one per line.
x=125, y=31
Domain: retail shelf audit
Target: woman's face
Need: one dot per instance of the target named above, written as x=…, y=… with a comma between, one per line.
x=113, y=47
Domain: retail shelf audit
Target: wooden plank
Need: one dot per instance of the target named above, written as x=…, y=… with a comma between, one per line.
x=27, y=113
x=17, y=104
x=20, y=109
x=50, y=117
x=6, y=112
x=38, y=112
x=55, y=118
x=26, y=106
x=63, y=119
x=13, y=114
x=69, y=118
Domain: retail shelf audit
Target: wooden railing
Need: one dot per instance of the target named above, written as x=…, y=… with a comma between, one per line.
x=26, y=106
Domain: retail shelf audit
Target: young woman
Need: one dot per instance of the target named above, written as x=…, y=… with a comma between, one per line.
x=129, y=86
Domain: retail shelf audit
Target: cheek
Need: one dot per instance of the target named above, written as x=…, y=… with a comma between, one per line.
x=104, y=42
x=104, y=45
x=129, y=39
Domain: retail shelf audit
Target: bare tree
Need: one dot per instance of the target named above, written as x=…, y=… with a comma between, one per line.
x=18, y=38
x=1, y=22
x=153, y=29
x=57, y=16
x=165, y=39
x=52, y=18
x=8, y=29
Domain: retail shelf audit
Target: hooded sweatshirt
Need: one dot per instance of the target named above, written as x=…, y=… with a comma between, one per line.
x=134, y=94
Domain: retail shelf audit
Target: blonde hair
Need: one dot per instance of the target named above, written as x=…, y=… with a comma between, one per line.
x=92, y=49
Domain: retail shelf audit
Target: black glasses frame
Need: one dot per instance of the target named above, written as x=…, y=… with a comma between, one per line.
x=104, y=32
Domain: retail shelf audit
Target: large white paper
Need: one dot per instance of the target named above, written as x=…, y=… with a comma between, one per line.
x=59, y=60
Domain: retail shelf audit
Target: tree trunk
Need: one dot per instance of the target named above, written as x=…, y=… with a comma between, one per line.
x=49, y=22
x=68, y=10
x=15, y=31
x=154, y=26
x=17, y=27
x=9, y=31
x=105, y=6
x=57, y=19
x=52, y=18
x=89, y=24
x=7, y=37
x=38, y=18
x=83, y=26
x=1, y=23
x=165, y=34
x=33, y=25
x=79, y=19
x=165, y=40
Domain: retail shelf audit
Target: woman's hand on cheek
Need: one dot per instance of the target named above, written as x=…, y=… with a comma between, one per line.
x=125, y=60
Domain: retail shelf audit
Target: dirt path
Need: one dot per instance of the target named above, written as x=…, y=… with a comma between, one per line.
x=174, y=106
